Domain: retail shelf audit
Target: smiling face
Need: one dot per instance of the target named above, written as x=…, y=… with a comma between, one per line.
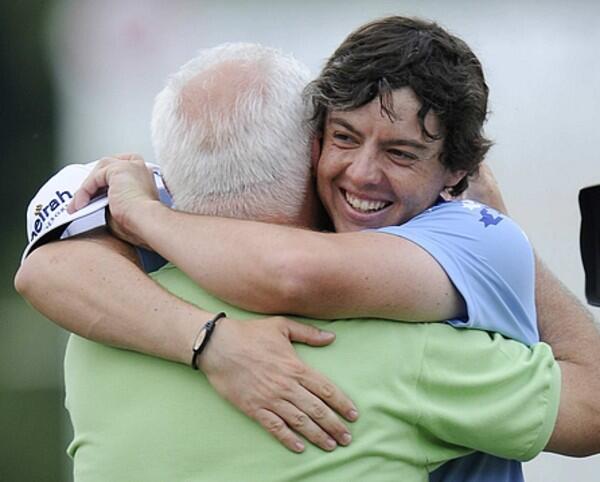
x=376, y=172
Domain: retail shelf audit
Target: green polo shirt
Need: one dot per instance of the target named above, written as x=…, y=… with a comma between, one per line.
x=426, y=393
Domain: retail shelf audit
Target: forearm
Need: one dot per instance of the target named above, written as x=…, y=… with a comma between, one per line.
x=91, y=286
x=278, y=269
x=567, y=326
x=577, y=429
x=241, y=262
x=564, y=322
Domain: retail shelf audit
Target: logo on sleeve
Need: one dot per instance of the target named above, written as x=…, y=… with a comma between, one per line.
x=471, y=205
x=489, y=219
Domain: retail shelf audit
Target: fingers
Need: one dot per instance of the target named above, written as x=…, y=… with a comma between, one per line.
x=316, y=383
x=99, y=178
x=308, y=334
x=96, y=180
x=308, y=415
x=331, y=397
x=313, y=381
x=307, y=424
x=276, y=388
x=313, y=419
x=277, y=427
x=285, y=421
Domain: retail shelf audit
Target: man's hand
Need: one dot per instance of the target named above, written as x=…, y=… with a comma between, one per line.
x=254, y=365
x=129, y=184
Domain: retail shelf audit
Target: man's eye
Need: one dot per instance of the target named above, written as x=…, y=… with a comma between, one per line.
x=343, y=138
x=402, y=156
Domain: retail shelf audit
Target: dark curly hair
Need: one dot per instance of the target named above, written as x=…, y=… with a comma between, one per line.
x=395, y=52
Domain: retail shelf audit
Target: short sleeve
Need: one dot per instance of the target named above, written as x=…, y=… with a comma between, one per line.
x=488, y=393
x=489, y=260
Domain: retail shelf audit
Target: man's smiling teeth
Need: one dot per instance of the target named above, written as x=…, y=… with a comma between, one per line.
x=364, y=205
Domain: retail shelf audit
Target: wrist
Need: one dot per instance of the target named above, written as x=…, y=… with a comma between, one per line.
x=203, y=338
x=213, y=353
x=141, y=218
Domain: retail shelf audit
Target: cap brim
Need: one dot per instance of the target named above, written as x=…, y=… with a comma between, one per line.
x=62, y=221
x=47, y=215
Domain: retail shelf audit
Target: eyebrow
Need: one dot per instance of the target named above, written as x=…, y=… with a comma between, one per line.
x=392, y=142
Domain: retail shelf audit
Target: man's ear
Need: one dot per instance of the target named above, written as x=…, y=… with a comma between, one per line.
x=315, y=153
x=453, y=178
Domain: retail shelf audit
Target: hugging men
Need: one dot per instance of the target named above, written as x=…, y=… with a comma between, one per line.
x=397, y=119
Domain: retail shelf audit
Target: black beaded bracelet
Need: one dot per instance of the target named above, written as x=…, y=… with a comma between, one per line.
x=207, y=329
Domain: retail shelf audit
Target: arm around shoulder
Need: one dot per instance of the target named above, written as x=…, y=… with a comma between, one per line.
x=91, y=285
x=279, y=269
x=370, y=274
x=569, y=328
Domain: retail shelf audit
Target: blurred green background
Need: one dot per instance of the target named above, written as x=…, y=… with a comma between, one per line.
x=32, y=419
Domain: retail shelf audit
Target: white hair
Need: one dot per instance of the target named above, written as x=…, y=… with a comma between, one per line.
x=230, y=132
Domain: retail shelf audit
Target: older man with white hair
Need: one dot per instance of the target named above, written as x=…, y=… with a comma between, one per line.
x=233, y=121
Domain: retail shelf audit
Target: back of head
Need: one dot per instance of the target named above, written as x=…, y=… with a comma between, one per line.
x=441, y=69
x=230, y=133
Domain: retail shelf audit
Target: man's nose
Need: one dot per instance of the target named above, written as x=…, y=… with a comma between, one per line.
x=364, y=169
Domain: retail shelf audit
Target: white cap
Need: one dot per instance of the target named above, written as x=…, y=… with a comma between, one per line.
x=47, y=211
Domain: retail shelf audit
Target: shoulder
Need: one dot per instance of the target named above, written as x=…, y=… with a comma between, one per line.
x=466, y=215
x=466, y=228
x=488, y=258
